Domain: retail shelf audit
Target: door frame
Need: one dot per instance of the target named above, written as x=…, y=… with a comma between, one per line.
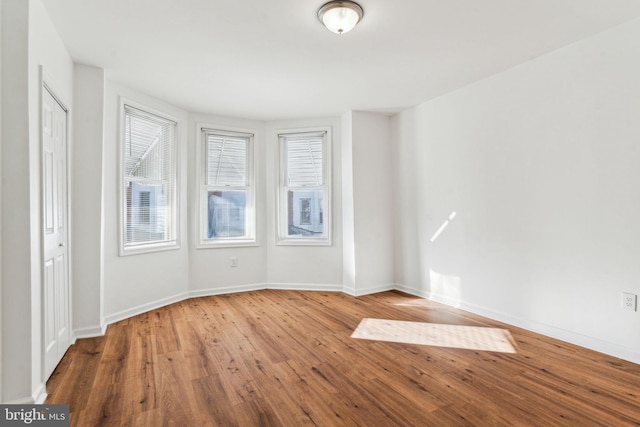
x=46, y=84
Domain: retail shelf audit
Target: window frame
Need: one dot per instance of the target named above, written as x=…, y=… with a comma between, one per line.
x=326, y=208
x=172, y=242
x=202, y=239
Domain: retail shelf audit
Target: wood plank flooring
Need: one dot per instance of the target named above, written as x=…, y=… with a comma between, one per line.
x=286, y=358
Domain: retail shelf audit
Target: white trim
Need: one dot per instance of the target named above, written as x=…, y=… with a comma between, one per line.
x=251, y=208
x=41, y=394
x=176, y=225
x=415, y=292
x=37, y=398
x=282, y=239
x=143, y=308
x=304, y=241
x=146, y=248
x=529, y=325
x=198, y=293
x=225, y=130
x=357, y=291
x=90, y=332
x=231, y=243
x=305, y=287
x=547, y=330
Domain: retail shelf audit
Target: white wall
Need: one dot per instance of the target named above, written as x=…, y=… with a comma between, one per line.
x=137, y=283
x=16, y=275
x=304, y=267
x=210, y=268
x=87, y=207
x=348, y=213
x=368, y=203
x=1, y=101
x=540, y=163
x=29, y=41
x=409, y=252
x=47, y=54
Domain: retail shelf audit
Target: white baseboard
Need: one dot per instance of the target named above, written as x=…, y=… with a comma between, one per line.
x=305, y=287
x=41, y=394
x=360, y=291
x=571, y=337
x=38, y=397
x=260, y=286
x=413, y=291
x=544, y=329
x=90, y=332
x=143, y=308
x=196, y=293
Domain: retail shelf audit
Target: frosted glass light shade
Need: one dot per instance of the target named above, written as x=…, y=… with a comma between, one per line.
x=340, y=16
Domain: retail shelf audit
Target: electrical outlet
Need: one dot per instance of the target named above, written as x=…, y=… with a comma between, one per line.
x=629, y=301
x=234, y=262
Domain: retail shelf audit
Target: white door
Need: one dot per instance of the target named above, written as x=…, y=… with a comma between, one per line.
x=56, y=275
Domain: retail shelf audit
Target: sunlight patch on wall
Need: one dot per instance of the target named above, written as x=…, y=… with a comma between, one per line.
x=444, y=225
x=446, y=287
x=438, y=335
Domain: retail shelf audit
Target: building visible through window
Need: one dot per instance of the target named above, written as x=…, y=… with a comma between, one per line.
x=305, y=211
x=226, y=214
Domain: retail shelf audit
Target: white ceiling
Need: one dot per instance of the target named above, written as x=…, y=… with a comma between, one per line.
x=272, y=59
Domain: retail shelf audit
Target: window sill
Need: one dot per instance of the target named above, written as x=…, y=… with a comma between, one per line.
x=227, y=244
x=304, y=242
x=150, y=248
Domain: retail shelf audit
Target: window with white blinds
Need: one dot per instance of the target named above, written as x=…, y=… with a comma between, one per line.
x=227, y=189
x=304, y=197
x=226, y=160
x=149, y=196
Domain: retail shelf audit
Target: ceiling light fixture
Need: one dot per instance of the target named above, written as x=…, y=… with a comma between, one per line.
x=340, y=16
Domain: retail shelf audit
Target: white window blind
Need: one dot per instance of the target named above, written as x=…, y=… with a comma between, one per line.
x=226, y=160
x=149, y=166
x=305, y=160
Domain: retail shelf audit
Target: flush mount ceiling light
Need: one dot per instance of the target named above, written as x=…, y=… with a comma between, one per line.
x=340, y=16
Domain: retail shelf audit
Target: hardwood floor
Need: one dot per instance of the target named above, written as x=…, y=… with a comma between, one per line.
x=287, y=358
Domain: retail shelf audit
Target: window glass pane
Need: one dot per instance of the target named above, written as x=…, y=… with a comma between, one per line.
x=304, y=213
x=147, y=217
x=145, y=207
x=226, y=160
x=226, y=212
x=304, y=161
